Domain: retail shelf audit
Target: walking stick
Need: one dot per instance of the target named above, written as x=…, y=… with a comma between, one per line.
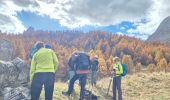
x=111, y=79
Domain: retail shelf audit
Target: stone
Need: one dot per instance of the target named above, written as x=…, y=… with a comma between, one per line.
x=13, y=74
x=23, y=70
x=19, y=93
x=6, y=50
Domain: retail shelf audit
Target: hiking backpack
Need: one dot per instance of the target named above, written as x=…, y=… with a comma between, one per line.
x=124, y=70
x=73, y=61
x=83, y=61
x=32, y=52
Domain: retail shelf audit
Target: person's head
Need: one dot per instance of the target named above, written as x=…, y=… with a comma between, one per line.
x=116, y=59
x=48, y=46
x=75, y=53
x=39, y=45
x=74, y=56
x=95, y=57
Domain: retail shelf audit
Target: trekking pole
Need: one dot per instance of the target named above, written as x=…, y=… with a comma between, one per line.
x=111, y=78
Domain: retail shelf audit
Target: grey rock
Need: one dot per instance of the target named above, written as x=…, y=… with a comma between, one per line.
x=13, y=74
x=19, y=93
x=6, y=50
x=23, y=70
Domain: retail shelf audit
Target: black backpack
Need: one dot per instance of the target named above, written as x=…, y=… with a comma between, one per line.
x=83, y=61
x=94, y=65
x=89, y=95
x=72, y=62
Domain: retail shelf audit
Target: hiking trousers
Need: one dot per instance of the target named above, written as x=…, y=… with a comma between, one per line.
x=71, y=74
x=82, y=81
x=93, y=77
x=117, y=87
x=42, y=78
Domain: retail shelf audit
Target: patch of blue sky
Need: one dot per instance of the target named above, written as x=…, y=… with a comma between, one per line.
x=39, y=22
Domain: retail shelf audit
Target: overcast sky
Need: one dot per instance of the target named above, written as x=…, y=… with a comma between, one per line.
x=138, y=18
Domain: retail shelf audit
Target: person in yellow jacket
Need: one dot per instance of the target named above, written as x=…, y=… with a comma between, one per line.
x=117, y=72
x=42, y=72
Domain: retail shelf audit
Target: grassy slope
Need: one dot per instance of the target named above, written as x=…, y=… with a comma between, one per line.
x=155, y=86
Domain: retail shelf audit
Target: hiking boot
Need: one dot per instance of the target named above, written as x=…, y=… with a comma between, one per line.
x=113, y=98
x=65, y=93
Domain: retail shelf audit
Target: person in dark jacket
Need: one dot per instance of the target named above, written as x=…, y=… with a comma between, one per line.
x=94, y=70
x=72, y=65
x=82, y=63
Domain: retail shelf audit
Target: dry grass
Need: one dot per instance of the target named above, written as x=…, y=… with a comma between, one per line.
x=155, y=86
x=59, y=87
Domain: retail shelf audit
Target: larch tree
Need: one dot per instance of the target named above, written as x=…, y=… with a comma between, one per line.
x=162, y=65
x=158, y=56
x=127, y=59
x=151, y=67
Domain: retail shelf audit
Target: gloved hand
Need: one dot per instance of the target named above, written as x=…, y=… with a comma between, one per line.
x=112, y=72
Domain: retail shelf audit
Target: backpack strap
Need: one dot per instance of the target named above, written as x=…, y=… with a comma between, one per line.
x=118, y=67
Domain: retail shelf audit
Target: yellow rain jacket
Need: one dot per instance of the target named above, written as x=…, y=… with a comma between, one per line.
x=44, y=60
x=118, y=69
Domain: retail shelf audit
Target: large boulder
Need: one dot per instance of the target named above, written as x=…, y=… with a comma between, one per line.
x=13, y=74
x=23, y=70
x=6, y=50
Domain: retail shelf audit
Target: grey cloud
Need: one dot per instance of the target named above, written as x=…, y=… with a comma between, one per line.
x=109, y=11
x=4, y=19
x=9, y=23
x=1, y=2
x=48, y=1
x=25, y=3
x=166, y=10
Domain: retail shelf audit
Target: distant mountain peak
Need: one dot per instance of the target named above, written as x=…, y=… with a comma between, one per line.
x=162, y=34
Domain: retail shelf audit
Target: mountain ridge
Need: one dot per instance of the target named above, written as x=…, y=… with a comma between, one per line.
x=162, y=33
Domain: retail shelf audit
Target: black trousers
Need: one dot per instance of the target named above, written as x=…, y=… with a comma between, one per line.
x=82, y=81
x=117, y=87
x=42, y=78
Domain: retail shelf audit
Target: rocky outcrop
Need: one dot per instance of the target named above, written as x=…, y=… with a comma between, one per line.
x=13, y=74
x=6, y=50
x=23, y=70
x=19, y=93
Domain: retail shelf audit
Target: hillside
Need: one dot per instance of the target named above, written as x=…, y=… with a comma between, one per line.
x=135, y=53
x=162, y=34
x=155, y=86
